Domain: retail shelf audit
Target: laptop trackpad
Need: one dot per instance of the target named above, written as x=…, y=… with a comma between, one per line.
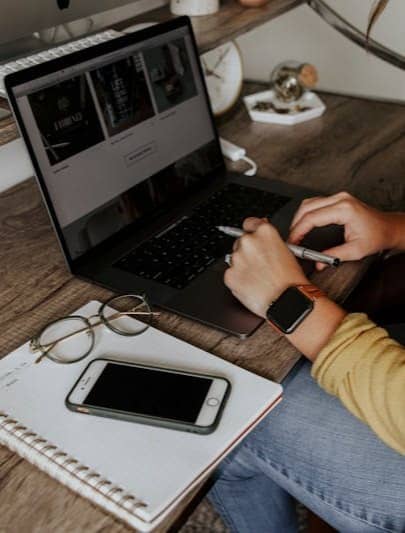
x=209, y=301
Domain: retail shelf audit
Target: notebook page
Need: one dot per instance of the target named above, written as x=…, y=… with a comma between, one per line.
x=155, y=464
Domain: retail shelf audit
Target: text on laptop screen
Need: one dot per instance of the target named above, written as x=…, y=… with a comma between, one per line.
x=120, y=136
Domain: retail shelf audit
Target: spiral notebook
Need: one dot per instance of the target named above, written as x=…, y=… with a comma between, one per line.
x=136, y=472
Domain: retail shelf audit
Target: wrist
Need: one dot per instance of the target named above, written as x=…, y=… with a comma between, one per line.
x=317, y=328
x=298, y=280
x=306, y=316
x=395, y=231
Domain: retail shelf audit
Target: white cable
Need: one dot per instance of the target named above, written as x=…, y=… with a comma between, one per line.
x=236, y=153
x=253, y=166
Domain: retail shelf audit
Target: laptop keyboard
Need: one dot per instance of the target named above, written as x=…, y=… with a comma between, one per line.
x=184, y=251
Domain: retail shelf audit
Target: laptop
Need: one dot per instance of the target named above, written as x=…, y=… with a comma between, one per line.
x=127, y=157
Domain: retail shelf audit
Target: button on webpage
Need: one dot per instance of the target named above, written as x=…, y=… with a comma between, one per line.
x=140, y=153
x=212, y=402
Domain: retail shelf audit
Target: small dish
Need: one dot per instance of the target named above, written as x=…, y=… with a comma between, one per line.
x=309, y=106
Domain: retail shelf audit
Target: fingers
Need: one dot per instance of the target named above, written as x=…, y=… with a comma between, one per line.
x=318, y=202
x=350, y=251
x=252, y=241
x=332, y=214
x=230, y=280
x=307, y=205
x=252, y=223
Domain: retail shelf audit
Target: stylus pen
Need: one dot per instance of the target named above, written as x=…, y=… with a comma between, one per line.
x=298, y=251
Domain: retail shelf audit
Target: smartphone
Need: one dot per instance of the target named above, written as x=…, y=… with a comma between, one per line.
x=150, y=395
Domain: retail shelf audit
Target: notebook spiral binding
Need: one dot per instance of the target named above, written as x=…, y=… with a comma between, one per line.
x=77, y=471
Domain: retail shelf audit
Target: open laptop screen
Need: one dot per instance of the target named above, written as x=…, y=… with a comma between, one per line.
x=120, y=136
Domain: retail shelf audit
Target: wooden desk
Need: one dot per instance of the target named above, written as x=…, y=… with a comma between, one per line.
x=357, y=145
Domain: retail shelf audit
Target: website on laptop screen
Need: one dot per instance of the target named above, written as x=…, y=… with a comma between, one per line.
x=120, y=136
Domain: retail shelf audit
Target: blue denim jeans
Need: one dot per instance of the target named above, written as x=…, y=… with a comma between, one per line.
x=312, y=449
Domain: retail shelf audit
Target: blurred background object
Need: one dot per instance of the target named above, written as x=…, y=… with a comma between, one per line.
x=343, y=66
x=194, y=7
x=253, y=3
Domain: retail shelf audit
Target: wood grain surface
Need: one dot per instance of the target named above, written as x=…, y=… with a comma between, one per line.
x=357, y=145
x=8, y=128
x=230, y=22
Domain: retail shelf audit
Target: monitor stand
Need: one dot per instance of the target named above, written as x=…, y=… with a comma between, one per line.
x=21, y=47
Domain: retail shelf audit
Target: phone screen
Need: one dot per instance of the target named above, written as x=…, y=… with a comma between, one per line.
x=155, y=393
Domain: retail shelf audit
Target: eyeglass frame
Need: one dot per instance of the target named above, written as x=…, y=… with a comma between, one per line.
x=35, y=345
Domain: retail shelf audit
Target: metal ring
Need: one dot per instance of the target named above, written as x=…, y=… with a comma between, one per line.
x=228, y=259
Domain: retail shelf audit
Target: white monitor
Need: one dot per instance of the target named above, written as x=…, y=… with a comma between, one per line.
x=20, y=18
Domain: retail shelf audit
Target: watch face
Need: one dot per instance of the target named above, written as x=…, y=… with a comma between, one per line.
x=289, y=310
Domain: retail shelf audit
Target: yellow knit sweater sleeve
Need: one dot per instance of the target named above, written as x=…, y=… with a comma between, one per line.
x=365, y=369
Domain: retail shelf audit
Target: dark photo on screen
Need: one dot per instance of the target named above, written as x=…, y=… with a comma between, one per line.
x=170, y=73
x=66, y=117
x=123, y=94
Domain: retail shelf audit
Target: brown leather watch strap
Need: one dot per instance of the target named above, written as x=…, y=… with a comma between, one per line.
x=311, y=291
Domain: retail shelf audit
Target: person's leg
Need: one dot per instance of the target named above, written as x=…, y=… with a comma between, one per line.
x=248, y=500
x=268, y=506
x=312, y=448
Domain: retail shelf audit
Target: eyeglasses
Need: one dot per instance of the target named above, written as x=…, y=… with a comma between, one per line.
x=72, y=338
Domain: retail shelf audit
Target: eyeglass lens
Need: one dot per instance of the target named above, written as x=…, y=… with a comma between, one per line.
x=72, y=338
x=67, y=340
x=126, y=315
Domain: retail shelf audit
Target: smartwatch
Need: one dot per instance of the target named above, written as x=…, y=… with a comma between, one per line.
x=292, y=307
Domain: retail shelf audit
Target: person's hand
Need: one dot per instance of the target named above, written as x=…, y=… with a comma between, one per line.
x=367, y=231
x=262, y=266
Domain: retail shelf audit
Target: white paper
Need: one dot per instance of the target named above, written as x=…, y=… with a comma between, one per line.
x=155, y=464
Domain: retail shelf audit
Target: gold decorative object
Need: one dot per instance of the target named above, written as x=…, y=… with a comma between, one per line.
x=290, y=79
x=253, y=3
